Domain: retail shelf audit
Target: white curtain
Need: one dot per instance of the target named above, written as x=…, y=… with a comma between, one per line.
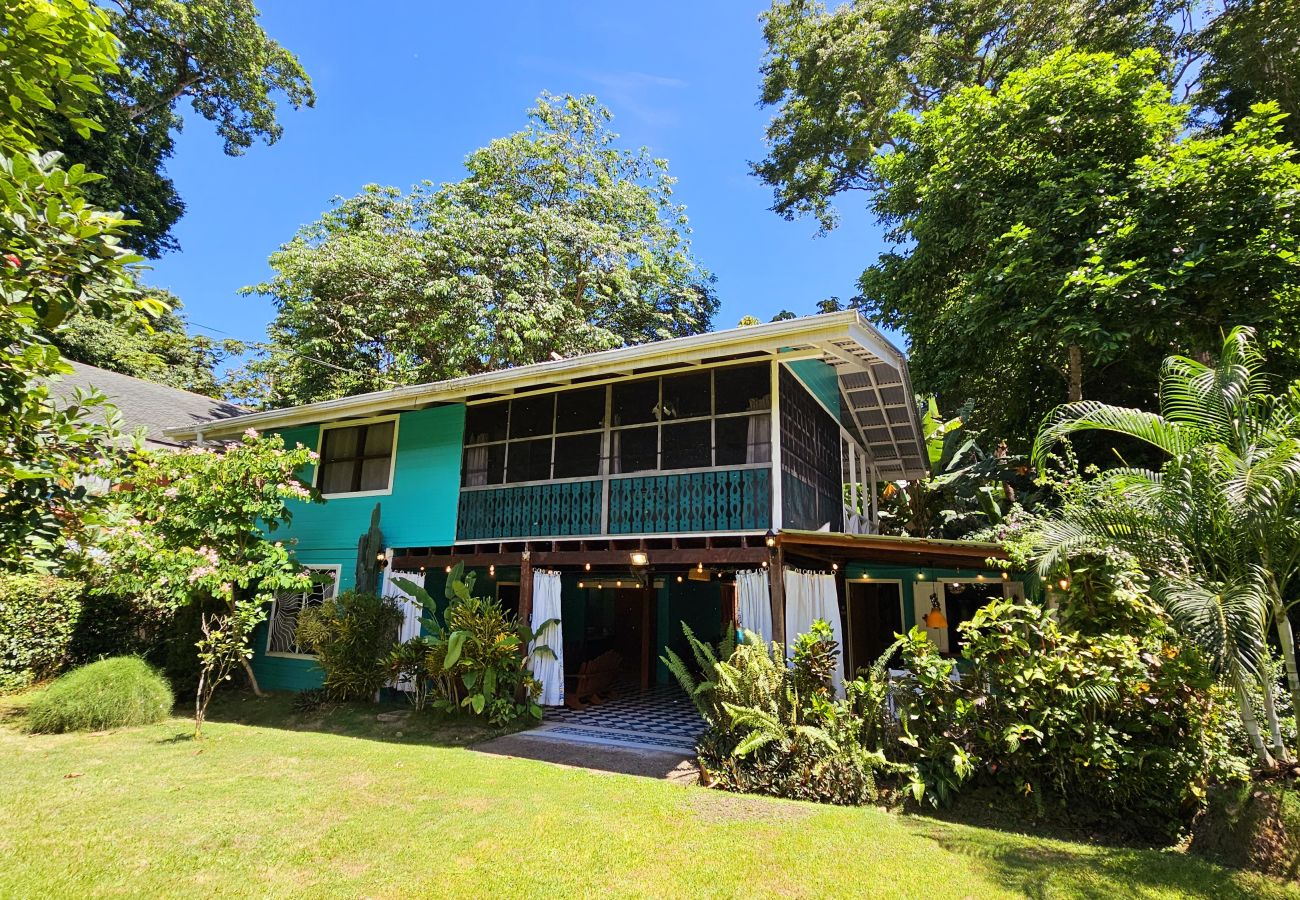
x=476, y=466
x=546, y=605
x=758, y=442
x=810, y=596
x=412, y=609
x=754, y=603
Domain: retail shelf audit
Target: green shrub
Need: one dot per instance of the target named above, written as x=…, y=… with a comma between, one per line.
x=111, y=693
x=38, y=617
x=352, y=634
x=1118, y=730
x=778, y=730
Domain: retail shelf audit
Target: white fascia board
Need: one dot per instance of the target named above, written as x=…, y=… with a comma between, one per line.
x=770, y=338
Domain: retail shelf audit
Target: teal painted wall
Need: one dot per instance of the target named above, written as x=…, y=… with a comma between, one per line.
x=822, y=382
x=420, y=512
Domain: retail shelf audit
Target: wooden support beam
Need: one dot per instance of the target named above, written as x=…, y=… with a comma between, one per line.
x=777, y=591
x=717, y=556
x=526, y=588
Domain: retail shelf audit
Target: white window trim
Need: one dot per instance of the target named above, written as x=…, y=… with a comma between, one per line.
x=1009, y=591
x=352, y=423
x=337, y=570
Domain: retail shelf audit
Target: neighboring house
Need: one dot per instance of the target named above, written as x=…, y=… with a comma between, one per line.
x=646, y=486
x=144, y=404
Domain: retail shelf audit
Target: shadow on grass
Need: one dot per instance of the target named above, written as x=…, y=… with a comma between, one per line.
x=676, y=767
x=390, y=722
x=1036, y=870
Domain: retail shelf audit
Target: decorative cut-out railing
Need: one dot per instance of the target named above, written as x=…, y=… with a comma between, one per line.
x=717, y=500
x=682, y=503
x=554, y=509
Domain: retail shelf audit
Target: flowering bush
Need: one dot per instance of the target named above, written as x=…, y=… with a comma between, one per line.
x=194, y=524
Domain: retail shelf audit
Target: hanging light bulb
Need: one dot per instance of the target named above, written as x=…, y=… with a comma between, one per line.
x=587, y=566
x=679, y=578
x=447, y=570
x=492, y=571
x=835, y=567
x=1006, y=576
x=581, y=585
x=1064, y=583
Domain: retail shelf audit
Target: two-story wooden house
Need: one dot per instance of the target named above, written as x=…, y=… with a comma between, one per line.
x=695, y=480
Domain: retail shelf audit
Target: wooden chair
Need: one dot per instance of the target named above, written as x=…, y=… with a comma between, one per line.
x=594, y=682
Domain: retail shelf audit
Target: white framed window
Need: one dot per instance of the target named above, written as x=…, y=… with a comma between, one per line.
x=282, y=624
x=357, y=458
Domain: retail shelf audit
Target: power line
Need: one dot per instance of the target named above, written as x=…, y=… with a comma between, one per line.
x=263, y=345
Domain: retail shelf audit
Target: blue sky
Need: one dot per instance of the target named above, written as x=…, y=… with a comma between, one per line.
x=404, y=95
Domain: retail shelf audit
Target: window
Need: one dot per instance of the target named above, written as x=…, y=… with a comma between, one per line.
x=282, y=625
x=356, y=459
x=688, y=420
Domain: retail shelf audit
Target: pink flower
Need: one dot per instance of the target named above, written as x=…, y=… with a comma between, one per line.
x=250, y=432
x=13, y=260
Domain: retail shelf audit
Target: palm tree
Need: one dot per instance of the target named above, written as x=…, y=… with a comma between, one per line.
x=1217, y=528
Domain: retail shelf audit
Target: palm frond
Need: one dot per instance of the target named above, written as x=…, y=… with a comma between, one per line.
x=1091, y=415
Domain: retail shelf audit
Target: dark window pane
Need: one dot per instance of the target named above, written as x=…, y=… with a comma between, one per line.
x=486, y=423
x=484, y=465
x=686, y=396
x=743, y=388
x=743, y=439
x=577, y=455
x=379, y=439
x=634, y=402
x=686, y=445
x=336, y=477
x=529, y=460
x=582, y=410
x=532, y=416
x=340, y=443
x=635, y=450
x=374, y=474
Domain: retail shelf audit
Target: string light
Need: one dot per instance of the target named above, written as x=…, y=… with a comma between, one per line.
x=587, y=566
x=447, y=570
x=492, y=571
x=679, y=578
x=835, y=567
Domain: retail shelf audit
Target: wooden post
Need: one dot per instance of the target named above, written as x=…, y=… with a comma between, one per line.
x=776, y=589
x=526, y=588
x=647, y=631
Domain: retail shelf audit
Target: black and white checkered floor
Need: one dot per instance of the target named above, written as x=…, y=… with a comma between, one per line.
x=660, y=718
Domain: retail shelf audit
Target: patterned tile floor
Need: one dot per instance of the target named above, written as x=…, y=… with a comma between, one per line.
x=660, y=718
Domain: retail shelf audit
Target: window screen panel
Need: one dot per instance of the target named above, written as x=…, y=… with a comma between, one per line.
x=582, y=410
x=743, y=388
x=577, y=455
x=687, y=396
x=687, y=445
x=529, y=460
x=740, y=440
x=484, y=465
x=636, y=449
x=532, y=416
x=486, y=423
x=635, y=402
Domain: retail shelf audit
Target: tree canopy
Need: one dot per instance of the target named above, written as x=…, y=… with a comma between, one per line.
x=213, y=53
x=558, y=242
x=164, y=353
x=1060, y=236
x=840, y=78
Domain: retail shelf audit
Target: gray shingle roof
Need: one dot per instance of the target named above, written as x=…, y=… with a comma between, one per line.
x=144, y=404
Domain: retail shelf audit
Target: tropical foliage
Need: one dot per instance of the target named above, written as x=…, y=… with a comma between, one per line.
x=558, y=241
x=478, y=657
x=1116, y=727
x=1216, y=528
x=351, y=634
x=779, y=730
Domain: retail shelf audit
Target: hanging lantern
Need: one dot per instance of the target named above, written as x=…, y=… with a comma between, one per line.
x=935, y=617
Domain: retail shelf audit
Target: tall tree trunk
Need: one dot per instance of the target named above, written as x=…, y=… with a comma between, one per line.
x=252, y=679
x=1274, y=726
x=1286, y=637
x=1252, y=727
x=1076, y=373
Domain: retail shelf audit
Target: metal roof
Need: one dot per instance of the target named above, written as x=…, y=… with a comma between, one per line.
x=874, y=384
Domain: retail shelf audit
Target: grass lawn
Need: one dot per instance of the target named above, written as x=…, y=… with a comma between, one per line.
x=273, y=803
